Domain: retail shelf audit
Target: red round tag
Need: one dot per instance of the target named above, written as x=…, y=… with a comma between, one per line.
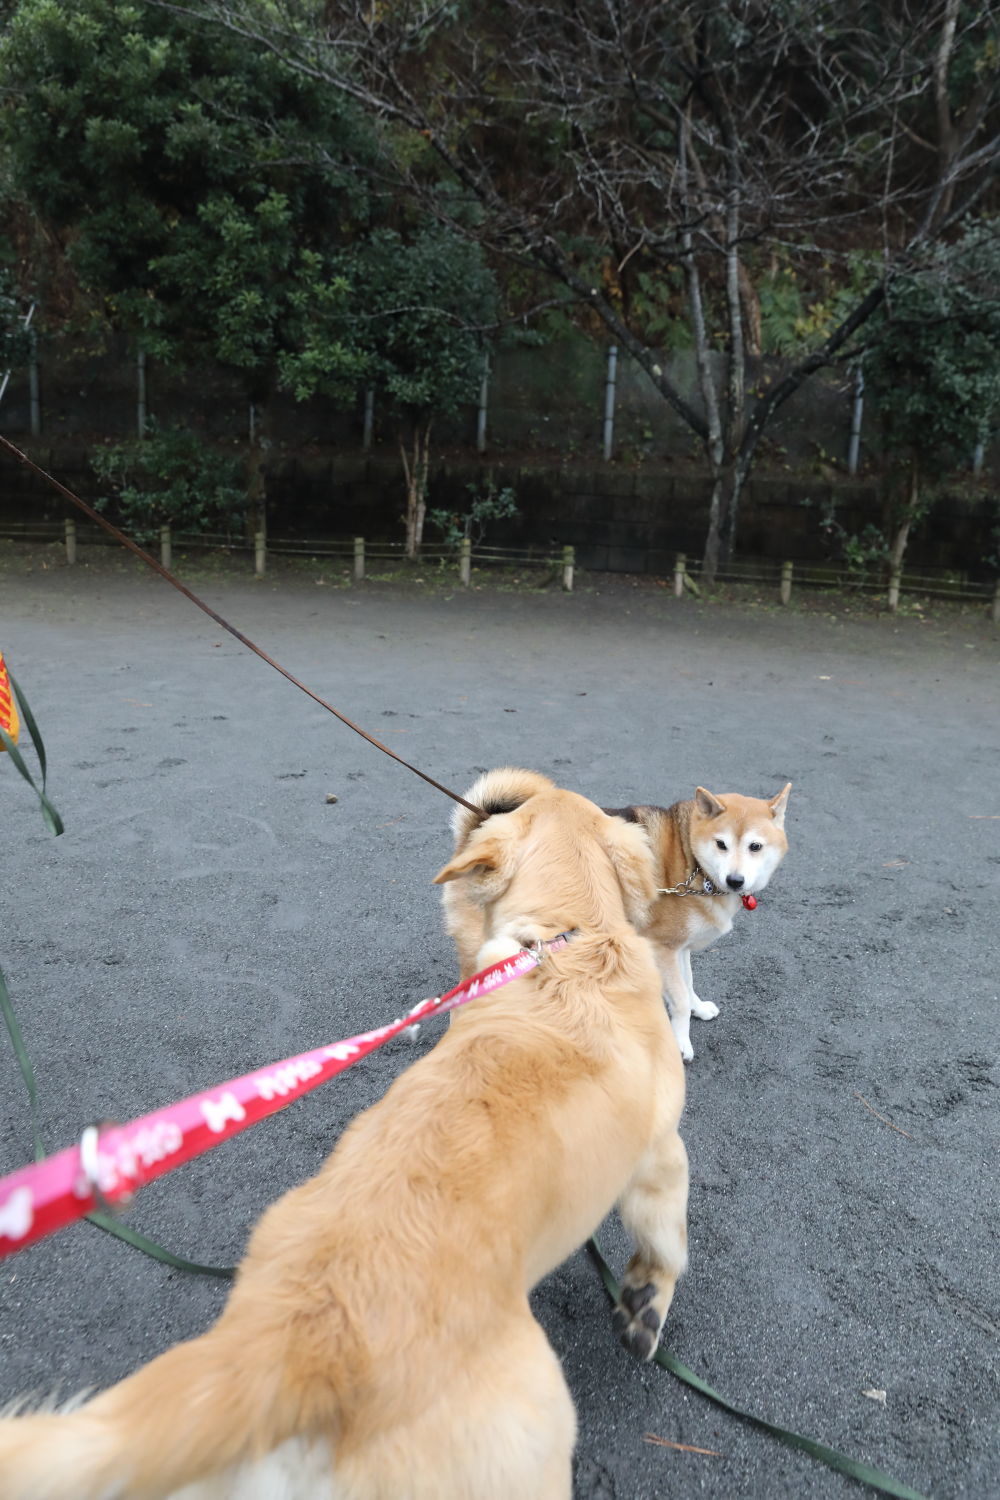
x=750, y=902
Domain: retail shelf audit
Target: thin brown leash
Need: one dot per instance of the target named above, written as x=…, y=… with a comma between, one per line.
x=244, y=640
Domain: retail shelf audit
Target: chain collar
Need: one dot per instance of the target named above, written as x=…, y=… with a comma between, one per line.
x=697, y=883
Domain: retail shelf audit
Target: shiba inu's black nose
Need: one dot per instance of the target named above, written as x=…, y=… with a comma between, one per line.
x=735, y=882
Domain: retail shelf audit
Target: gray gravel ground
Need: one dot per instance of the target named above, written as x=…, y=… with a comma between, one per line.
x=207, y=909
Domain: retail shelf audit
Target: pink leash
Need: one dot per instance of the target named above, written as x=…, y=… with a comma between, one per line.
x=110, y=1165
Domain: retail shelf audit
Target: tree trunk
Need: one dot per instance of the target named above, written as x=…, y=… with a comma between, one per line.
x=416, y=465
x=901, y=535
x=713, y=438
x=736, y=475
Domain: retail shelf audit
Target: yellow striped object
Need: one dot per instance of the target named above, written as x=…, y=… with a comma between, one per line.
x=9, y=721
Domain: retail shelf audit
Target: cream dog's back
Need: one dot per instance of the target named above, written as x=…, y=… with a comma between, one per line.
x=378, y=1341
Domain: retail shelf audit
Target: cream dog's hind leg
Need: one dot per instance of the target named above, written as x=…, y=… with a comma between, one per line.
x=503, y=1425
x=653, y=1209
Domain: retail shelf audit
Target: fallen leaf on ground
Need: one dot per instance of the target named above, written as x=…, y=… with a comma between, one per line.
x=878, y=1396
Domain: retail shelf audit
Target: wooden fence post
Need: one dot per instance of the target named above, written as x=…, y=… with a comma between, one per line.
x=465, y=561
x=995, y=611
x=359, y=559
x=680, y=568
x=568, y=565
x=71, y=541
x=260, y=554
x=786, y=582
x=166, y=551
x=894, y=581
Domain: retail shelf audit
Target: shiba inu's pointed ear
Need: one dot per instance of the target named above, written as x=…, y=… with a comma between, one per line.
x=708, y=805
x=629, y=850
x=482, y=856
x=779, y=803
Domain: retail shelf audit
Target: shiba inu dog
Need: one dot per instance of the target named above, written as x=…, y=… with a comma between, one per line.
x=378, y=1341
x=711, y=854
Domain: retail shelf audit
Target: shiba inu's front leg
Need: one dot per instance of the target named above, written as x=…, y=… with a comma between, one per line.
x=678, y=992
x=654, y=1211
x=705, y=1010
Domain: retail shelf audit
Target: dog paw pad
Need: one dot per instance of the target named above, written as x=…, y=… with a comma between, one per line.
x=635, y=1298
x=636, y=1321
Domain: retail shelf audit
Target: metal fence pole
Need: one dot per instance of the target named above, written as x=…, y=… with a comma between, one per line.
x=368, y=427
x=359, y=559
x=34, y=389
x=140, y=415
x=609, y=401
x=484, y=391
x=857, y=412
x=568, y=565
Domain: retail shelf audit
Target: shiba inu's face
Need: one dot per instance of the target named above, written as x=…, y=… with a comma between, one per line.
x=739, y=841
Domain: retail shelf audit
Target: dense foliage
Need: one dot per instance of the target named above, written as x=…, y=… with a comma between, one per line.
x=934, y=367
x=169, y=478
x=198, y=188
x=312, y=191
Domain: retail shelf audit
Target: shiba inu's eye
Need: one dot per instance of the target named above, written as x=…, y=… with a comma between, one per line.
x=756, y=848
x=720, y=844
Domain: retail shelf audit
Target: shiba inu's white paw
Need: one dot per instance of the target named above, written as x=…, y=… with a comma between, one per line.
x=682, y=1032
x=705, y=1010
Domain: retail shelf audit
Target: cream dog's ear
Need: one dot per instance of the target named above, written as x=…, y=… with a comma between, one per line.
x=629, y=850
x=481, y=856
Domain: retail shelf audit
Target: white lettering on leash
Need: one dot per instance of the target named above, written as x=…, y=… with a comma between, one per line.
x=149, y=1145
x=286, y=1078
x=18, y=1214
x=218, y=1112
x=342, y=1051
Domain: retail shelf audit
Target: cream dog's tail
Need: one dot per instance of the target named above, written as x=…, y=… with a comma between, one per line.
x=499, y=791
x=196, y=1412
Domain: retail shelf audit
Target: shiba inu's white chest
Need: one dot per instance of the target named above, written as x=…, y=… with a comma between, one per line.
x=710, y=918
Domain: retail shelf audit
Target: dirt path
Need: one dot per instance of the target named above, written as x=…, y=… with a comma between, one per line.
x=208, y=908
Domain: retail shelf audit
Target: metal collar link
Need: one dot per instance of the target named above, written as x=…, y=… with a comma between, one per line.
x=687, y=886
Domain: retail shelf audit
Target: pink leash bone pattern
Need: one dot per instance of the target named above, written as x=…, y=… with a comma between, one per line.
x=39, y=1199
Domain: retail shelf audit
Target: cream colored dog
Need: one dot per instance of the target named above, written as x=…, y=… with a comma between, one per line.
x=378, y=1343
